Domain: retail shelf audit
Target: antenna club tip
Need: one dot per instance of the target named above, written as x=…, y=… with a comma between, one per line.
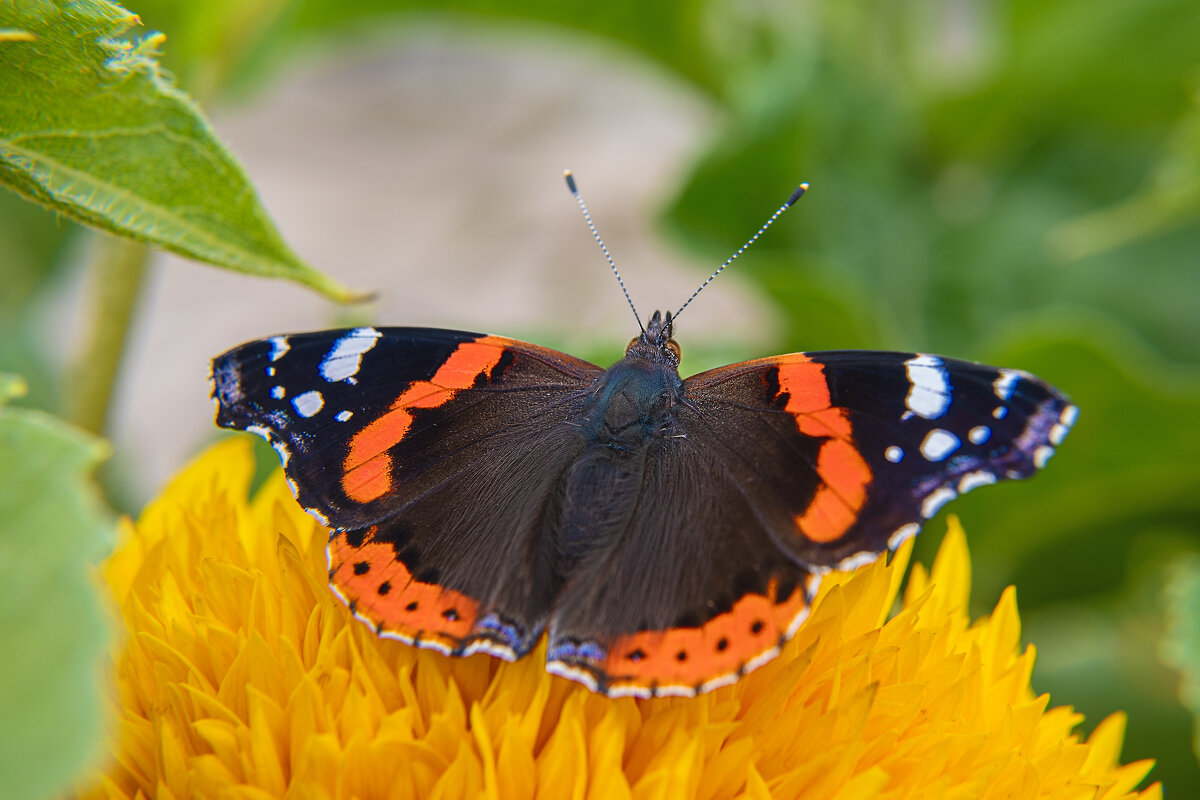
x=796, y=195
x=570, y=177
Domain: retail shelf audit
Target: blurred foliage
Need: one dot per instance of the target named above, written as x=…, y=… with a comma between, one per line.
x=51, y=531
x=1181, y=646
x=90, y=127
x=1015, y=182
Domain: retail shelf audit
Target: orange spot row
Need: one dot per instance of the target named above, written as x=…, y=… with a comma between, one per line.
x=367, y=468
x=719, y=647
x=405, y=606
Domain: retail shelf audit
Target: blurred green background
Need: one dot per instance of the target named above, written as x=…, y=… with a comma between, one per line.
x=1009, y=182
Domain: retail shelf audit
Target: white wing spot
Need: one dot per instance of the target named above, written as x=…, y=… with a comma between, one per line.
x=902, y=535
x=1069, y=415
x=260, y=430
x=929, y=391
x=934, y=502
x=345, y=358
x=317, y=515
x=270, y=372
x=343, y=416
x=979, y=434
x=1065, y=420
x=1003, y=386
x=1000, y=412
x=938, y=444
x=973, y=480
x=279, y=346
x=894, y=454
x=308, y=403
x=1041, y=455
x=851, y=563
x=278, y=392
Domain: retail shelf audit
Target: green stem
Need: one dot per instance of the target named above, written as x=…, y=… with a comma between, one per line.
x=118, y=273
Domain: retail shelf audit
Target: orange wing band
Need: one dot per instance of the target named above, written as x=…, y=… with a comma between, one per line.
x=367, y=468
x=843, y=472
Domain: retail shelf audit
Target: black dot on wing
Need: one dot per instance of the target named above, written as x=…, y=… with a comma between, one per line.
x=362, y=568
x=413, y=606
x=385, y=587
x=681, y=655
x=722, y=645
x=451, y=614
x=636, y=655
x=757, y=627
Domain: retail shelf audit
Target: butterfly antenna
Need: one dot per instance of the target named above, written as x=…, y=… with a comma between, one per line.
x=796, y=195
x=588, y=218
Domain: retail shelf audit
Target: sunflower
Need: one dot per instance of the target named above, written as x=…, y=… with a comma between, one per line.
x=240, y=675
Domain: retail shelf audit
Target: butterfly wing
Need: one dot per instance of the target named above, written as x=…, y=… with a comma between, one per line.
x=779, y=470
x=431, y=453
x=687, y=595
x=849, y=452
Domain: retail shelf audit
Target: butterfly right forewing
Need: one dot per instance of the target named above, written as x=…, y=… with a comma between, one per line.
x=854, y=450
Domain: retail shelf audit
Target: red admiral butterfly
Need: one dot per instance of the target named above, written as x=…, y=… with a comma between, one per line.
x=669, y=533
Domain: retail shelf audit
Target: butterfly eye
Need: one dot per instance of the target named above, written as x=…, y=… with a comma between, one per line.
x=673, y=346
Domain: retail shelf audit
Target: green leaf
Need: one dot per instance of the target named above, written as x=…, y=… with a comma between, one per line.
x=1181, y=643
x=91, y=127
x=52, y=632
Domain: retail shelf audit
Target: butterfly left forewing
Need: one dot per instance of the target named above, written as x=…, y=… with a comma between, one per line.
x=364, y=418
x=849, y=452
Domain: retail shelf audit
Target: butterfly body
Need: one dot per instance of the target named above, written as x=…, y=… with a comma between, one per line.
x=667, y=535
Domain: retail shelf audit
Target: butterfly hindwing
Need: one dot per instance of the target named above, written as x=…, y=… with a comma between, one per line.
x=686, y=611
x=854, y=450
x=430, y=453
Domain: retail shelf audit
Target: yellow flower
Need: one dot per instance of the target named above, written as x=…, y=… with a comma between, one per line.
x=242, y=676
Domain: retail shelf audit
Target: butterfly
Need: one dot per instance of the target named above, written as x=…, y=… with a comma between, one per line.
x=668, y=535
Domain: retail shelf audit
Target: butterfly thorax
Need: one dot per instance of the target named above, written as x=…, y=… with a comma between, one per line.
x=634, y=400
x=633, y=404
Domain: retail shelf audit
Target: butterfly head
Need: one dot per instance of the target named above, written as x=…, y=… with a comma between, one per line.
x=655, y=342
